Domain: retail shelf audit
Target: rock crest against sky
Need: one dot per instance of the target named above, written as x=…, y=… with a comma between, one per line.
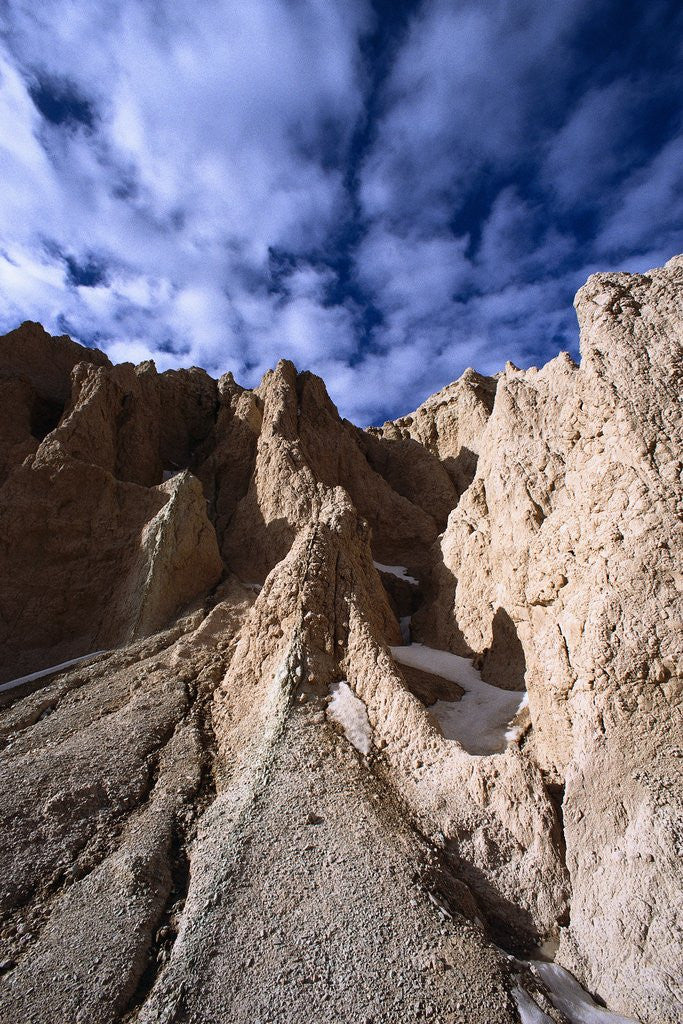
x=385, y=193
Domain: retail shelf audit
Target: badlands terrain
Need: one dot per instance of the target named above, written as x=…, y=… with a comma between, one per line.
x=306, y=723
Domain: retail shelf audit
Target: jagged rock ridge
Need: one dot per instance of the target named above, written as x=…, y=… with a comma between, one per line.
x=187, y=832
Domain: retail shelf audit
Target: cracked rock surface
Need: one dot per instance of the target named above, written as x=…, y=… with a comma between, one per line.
x=188, y=835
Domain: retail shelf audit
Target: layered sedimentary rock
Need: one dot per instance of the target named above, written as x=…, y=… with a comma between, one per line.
x=243, y=803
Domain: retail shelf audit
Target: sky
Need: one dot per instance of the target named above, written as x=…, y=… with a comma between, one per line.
x=384, y=192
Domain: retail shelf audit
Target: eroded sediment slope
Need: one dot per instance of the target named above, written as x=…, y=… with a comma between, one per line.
x=259, y=803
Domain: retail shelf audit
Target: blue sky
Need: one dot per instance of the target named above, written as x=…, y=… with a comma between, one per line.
x=385, y=193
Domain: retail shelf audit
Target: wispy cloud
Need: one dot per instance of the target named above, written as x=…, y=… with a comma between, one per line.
x=226, y=184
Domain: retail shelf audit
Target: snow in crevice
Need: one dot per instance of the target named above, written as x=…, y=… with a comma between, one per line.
x=400, y=571
x=529, y=1011
x=566, y=995
x=481, y=720
x=351, y=714
x=404, y=623
x=571, y=999
x=48, y=671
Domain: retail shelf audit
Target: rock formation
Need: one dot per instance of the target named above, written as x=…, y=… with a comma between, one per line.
x=248, y=656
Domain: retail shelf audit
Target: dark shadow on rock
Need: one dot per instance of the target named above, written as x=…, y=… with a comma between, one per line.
x=45, y=415
x=435, y=623
x=504, y=663
x=405, y=598
x=461, y=469
x=427, y=687
x=510, y=925
x=412, y=471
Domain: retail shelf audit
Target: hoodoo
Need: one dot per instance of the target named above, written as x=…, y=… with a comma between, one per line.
x=303, y=722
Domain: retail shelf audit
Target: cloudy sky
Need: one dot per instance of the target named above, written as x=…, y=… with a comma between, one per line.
x=384, y=192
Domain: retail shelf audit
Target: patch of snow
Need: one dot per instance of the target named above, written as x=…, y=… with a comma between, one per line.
x=350, y=712
x=515, y=731
x=399, y=571
x=529, y=1012
x=480, y=720
x=564, y=991
x=571, y=999
x=404, y=623
x=48, y=671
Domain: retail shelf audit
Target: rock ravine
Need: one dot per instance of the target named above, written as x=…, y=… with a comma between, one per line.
x=306, y=723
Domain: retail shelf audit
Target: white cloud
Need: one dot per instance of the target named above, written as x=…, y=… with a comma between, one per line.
x=649, y=208
x=23, y=278
x=202, y=157
x=411, y=275
x=591, y=148
x=462, y=94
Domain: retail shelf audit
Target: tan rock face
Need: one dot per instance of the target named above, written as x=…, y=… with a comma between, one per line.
x=31, y=354
x=196, y=835
x=571, y=531
x=35, y=385
x=16, y=407
x=449, y=425
x=94, y=548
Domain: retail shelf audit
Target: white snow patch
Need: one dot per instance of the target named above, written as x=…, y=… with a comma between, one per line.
x=48, y=671
x=397, y=570
x=571, y=999
x=565, y=993
x=529, y=1012
x=350, y=712
x=480, y=720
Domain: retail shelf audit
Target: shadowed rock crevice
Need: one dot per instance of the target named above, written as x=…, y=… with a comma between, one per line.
x=435, y=620
x=503, y=663
x=165, y=928
x=556, y=793
x=462, y=469
x=45, y=415
x=510, y=927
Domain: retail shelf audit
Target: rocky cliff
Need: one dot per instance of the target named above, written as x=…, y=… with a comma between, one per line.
x=305, y=722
